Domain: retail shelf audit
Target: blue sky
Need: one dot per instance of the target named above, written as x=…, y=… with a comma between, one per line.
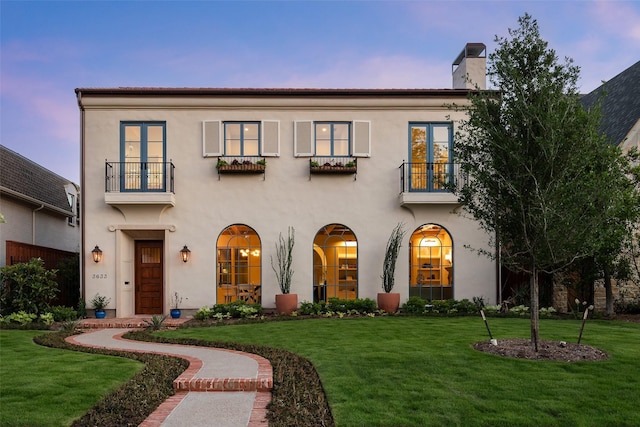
x=49, y=48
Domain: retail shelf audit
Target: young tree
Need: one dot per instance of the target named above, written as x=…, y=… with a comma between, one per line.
x=539, y=171
x=615, y=235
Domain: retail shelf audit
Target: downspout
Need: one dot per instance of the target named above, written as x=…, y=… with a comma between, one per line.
x=33, y=224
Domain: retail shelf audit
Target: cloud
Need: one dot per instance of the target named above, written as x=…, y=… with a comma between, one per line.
x=618, y=18
x=393, y=71
x=51, y=110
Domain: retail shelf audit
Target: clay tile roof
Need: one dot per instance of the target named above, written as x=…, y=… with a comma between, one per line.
x=620, y=106
x=23, y=177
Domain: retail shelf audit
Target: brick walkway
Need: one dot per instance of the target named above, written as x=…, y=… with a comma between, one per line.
x=231, y=387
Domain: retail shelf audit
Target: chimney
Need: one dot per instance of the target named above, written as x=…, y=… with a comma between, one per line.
x=470, y=67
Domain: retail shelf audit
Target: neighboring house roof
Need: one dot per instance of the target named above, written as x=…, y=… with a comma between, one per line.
x=28, y=181
x=620, y=105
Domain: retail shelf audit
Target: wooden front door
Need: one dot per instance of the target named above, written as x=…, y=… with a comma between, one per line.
x=149, y=277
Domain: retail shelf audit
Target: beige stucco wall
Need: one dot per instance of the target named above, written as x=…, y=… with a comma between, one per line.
x=22, y=220
x=205, y=204
x=632, y=139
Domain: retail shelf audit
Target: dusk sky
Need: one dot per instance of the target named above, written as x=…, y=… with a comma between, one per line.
x=49, y=48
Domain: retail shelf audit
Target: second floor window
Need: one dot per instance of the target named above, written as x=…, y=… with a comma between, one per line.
x=242, y=139
x=332, y=139
x=142, y=156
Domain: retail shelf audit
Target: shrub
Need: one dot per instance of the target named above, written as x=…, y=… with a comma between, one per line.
x=22, y=317
x=441, y=306
x=27, y=287
x=204, y=313
x=236, y=309
x=352, y=306
x=414, y=305
x=465, y=307
x=546, y=312
x=312, y=308
x=61, y=313
x=520, y=310
x=628, y=306
x=156, y=322
x=47, y=319
x=69, y=325
x=491, y=309
x=82, y=309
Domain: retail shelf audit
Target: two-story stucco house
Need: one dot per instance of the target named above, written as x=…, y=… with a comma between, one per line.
x=223, y=172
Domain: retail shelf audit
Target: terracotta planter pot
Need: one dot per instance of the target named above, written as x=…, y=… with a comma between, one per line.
x=389, y=302
x=286, y=303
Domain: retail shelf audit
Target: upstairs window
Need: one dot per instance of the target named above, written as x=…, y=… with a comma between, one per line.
x=242, y=139
x=332, y=139
x=142, y=156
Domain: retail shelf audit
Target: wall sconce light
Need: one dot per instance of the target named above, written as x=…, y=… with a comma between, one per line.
x=185, y=253
x=97, y=254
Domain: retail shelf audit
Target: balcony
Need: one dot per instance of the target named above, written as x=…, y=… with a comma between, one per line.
x=333, y=166
x=139, y=183
x=247, y=165
x=429, y=183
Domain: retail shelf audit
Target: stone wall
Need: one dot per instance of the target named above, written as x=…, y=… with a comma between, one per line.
x=622, y=291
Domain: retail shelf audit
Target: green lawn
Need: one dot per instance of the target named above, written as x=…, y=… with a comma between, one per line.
x=416, y=371
x=41, y=386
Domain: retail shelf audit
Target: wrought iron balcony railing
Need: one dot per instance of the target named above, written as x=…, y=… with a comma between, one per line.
x=430, y=177
x=139, y=177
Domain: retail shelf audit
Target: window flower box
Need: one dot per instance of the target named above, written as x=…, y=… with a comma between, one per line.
x=339, y=167
x=241, y=166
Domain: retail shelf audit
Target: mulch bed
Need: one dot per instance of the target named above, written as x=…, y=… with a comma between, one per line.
x=547, y=350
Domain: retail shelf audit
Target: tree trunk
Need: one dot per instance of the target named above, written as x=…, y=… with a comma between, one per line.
x=534, y=307
x=608, y=291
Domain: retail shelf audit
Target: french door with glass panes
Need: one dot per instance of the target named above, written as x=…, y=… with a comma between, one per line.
x=142, y=156
x=430, y=151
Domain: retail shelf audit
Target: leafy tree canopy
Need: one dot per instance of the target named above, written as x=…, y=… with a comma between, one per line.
x=541, y=176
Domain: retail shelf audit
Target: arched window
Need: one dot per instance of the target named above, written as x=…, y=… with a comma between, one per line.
x=239, y=264
x=335, y=263
x=431, y=258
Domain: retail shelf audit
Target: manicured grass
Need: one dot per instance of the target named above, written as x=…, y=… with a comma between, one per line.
x=416, y=371
x=41, y=386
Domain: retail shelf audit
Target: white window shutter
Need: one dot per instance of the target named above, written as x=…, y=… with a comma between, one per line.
x=211, y=138
x=303, y=138
x=270, y=138
x=361, y=140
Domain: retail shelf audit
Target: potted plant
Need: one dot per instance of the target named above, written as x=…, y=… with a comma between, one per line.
x=99, y=303
x=390, y=301
x=286, y=302
x=176, y=300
